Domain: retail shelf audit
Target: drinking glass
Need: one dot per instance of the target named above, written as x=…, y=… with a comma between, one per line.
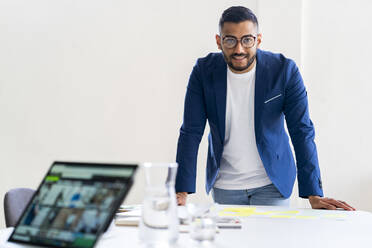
x=159, y=222
x=202, y=221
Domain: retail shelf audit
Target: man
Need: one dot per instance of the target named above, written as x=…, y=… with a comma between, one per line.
x=245, y=94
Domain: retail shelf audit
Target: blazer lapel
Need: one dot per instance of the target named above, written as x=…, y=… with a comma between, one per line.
x=220, y=85
x=260, y=82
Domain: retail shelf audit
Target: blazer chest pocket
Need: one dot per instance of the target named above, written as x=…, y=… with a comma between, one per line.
x=273, y=98
x=274, y=102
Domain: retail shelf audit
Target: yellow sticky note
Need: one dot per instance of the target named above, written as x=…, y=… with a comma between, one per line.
x=286, y=212
x=241, y=209
x=237, y=214
x=261, y=213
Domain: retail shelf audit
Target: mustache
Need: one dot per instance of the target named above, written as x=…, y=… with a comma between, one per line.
x=239, y=54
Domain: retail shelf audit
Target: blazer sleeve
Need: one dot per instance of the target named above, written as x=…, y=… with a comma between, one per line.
x=191, y=132
x=302, y=134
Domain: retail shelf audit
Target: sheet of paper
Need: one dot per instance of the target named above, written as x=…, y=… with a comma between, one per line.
x=286, y=214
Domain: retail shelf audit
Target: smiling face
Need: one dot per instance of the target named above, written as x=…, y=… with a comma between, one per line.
x=240, y=57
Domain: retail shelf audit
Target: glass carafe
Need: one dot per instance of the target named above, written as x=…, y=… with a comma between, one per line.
x=159, y=222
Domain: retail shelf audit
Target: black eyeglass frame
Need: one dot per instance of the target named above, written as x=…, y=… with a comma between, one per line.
x=239, y=40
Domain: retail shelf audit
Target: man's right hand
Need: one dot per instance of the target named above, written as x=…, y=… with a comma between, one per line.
x=181, y=198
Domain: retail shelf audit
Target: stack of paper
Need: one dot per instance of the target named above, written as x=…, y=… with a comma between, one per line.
x=128, y=215
x=131, y=215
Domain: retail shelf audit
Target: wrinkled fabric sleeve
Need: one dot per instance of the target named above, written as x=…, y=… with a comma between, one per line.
x=191, y=132
x=302, y=134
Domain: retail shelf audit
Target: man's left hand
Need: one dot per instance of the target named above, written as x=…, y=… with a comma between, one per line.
x=318, y=202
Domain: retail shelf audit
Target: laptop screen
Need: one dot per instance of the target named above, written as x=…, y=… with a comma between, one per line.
x=74, y=204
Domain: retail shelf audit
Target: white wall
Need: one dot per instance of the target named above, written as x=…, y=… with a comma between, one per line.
x=337, y=48
x=105, y=81
x=94, y=80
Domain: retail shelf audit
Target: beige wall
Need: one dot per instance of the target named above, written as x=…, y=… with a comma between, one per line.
x=105, y=81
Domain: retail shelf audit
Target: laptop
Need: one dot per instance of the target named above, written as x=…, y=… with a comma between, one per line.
x=74, y=204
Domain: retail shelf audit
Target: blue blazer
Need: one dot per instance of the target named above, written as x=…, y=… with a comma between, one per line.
x=279, y=95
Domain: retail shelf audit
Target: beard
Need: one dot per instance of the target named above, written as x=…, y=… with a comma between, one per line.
x=228, y=60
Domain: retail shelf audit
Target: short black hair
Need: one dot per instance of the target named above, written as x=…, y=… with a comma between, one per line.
x=237, y=14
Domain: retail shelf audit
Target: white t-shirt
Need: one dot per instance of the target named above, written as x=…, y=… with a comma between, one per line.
x=241, y=166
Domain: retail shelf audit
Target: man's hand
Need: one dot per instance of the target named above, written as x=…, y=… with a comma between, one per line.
x=181, y=198
x=318, y=202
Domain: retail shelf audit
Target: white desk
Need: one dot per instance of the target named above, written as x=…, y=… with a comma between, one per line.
x=354, y=229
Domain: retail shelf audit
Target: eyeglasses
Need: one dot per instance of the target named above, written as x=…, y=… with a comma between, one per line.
x=246, y=41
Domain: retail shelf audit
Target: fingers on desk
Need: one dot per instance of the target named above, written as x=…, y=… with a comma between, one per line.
x=345, y=203
x=333, y=204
